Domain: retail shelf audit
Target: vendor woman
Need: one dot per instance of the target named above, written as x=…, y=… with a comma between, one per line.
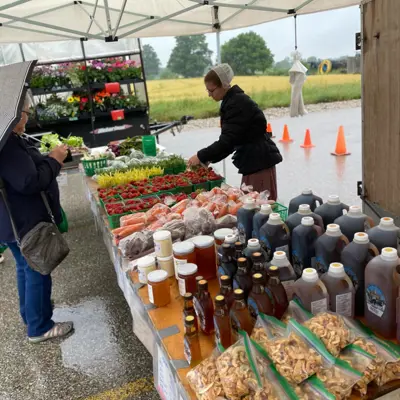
x=243, y=133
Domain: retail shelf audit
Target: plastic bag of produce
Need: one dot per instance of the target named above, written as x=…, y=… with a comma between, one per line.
x=263, y=198
x=331, y=329
x=136, y=154
x=297, y=312
x=180, y=207
x=204, y=379
x=198, y=221
x=176, y=227
x=136, y=244
x=267, y=329
x=339, y=379
x=295, y=356
x=361, y=335
x=367, y=364
x=132, y=219
x=228, y=221
x=313, y=389
x=117, y=165
x=157, y=211
x=123, y=159
x=125, y=231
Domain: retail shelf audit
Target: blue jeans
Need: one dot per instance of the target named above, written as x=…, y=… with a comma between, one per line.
x=34, y=291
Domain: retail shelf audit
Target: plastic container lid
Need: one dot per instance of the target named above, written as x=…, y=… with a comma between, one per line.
x=187, y=269
x=182, y=248
x=304, y=209
x=310, y=275
x=255, y=243
x=361, y=237
x=266, y=209
x=249, y=203
x=157, y=276
x=355, y=210
x=230, y=239
x=220, y=234
x=162, y=259
x=386, y=221
x=146, y=262
x=275, y=217
x=389, y=254
x=333, y=228
x=162, y=235
x=307, y=191
x=307, y=221
x=202, y=242
x=333, y=199
x=280, y=255
x=336, y=269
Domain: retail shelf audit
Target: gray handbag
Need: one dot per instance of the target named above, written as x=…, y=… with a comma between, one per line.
x=43, y=247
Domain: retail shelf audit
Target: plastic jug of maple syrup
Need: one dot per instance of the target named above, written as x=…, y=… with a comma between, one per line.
x=385, y=234
x=304, y=211
x=331, y=210
x=307, y=197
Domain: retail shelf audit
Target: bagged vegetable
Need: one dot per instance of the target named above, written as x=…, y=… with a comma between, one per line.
x=297, y=312
x=124, y=231
x=132, y=219
x=331, y=329
x=295, y=355
x=368, y=365
x=136, y=244
x=204, y=379
x=229, y=221
x=117, y=165
x=313, y=389
x=136, y=154
x=198, y=221
x=176, y=227
x=267, y=329
x=123, y=159
x=157, y=211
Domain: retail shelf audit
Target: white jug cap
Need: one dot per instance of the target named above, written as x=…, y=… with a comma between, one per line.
x=280, y=255
x=231, y=239
x=250, y=202
x=266, y=208
x=253, y=243
x=355, y=210
x=333, y=199
x=275, y=217
x=333, y=228
x=307, y=191
x=389, y=254
x=386, y=221
x=304, y=207
x=310, y=275
x=361, y=237
x=307, y=221
x=336, y=269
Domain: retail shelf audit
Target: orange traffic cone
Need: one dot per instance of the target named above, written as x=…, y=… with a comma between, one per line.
x=269, y=131
x=341, y=149
x=307, y=141
x=286, y=136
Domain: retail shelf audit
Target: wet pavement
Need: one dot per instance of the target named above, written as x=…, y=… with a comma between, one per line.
x=102, y=359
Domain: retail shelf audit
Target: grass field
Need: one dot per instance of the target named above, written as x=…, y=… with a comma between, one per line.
x=171, y=99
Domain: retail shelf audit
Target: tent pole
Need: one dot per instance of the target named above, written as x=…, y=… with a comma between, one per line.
x=218, y=34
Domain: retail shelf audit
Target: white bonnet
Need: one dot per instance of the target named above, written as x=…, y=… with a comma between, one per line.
x=225, y=74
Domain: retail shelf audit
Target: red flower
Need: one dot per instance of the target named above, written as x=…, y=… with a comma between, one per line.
x=109, y=69
x=83, y=67
x=84, y=99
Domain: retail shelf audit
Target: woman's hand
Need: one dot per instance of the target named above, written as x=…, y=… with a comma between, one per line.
x=193, y=161
x=59, y=153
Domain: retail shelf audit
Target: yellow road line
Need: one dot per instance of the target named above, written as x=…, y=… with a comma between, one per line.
x=141, y=386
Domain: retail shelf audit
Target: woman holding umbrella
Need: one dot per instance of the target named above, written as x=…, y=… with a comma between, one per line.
x=243, y=132
x=26, y=173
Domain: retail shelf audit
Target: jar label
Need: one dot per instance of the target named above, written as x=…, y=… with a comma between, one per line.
x=142, y=277
x=319, y=306
x=177, y=263
x=376, y=301
x=217, y=333
x=344, y=304
x=182, y=286
x=288, y=285
x=151, y=296
x=157, y=248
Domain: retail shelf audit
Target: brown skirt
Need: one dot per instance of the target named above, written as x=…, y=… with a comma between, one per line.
x=263, y=180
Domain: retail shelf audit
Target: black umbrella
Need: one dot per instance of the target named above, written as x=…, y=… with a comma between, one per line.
x=14, y=83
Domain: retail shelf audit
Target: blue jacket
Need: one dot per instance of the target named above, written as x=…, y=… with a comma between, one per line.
x=26, y=173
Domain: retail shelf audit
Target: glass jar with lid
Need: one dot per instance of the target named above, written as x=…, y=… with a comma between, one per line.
x=184, y=253
x=220, y=235
x=163, y=243
x=206, y=256
x=145, y=265
x=158, y=288
x=187, y=278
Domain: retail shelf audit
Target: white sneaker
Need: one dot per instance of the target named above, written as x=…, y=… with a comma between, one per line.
x=1, y=258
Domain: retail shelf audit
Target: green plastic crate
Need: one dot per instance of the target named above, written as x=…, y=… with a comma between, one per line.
x=179, y=169
x=213, y=184
x=90, y=166
x=117, y=199
x=113, y=220
x=281, y=210
x=185, y=189
x=201, y=186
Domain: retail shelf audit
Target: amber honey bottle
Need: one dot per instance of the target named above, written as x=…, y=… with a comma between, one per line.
x=191, y=342
x=259, y=266
x=240, y=316
x=188, y=308
x=258, y=300
x=204, y=308
x=278, y=292
x=227, y=290
x=222, y=322
x=242, y=278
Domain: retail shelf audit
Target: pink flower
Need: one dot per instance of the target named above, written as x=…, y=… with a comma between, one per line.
x=84, y=99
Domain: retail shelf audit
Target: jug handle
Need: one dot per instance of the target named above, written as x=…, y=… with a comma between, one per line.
x=319, y=199
x=370, y=221
x=344, y=239
x=286, y=229
x=373, y=250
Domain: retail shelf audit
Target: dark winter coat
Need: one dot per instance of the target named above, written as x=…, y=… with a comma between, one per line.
x=26, y=173
x=243, y=131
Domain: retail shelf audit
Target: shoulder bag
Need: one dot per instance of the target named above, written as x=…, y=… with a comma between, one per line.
x=43, y=247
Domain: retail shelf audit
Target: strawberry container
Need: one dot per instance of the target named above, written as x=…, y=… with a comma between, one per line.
x=215, y=183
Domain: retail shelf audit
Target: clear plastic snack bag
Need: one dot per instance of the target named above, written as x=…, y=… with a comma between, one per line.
x=267, y=329
x=296, y=311
x=367, y=364
x=313, y=389
x=332, y=330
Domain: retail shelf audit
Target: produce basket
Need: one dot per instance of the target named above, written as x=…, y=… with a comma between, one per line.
x=216, y=183
x=281, y=210
x=185, y=189
x=114, y=199
x=113, y=220
x=201, y=186
x=90, y=166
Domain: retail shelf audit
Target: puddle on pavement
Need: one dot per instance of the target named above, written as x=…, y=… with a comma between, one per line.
x=93, y=348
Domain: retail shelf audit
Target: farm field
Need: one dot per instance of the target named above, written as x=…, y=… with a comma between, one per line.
x=170, y=99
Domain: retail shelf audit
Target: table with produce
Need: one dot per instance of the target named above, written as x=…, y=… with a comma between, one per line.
x=242, y=297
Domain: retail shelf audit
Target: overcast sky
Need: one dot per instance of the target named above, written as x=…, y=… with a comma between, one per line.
x=324, y=35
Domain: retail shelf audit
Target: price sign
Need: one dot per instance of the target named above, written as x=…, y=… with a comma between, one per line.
x=166, y=381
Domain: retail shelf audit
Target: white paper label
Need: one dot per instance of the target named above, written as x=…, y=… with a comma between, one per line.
x=157, y=248
x=62, y=179
x=166, y=383
x=319, y=306
x=182, y=286
x=288, y=285
x=344, y=304
x=150, y=290
x=142, y=277
x=178, y=263
x=284, y=248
